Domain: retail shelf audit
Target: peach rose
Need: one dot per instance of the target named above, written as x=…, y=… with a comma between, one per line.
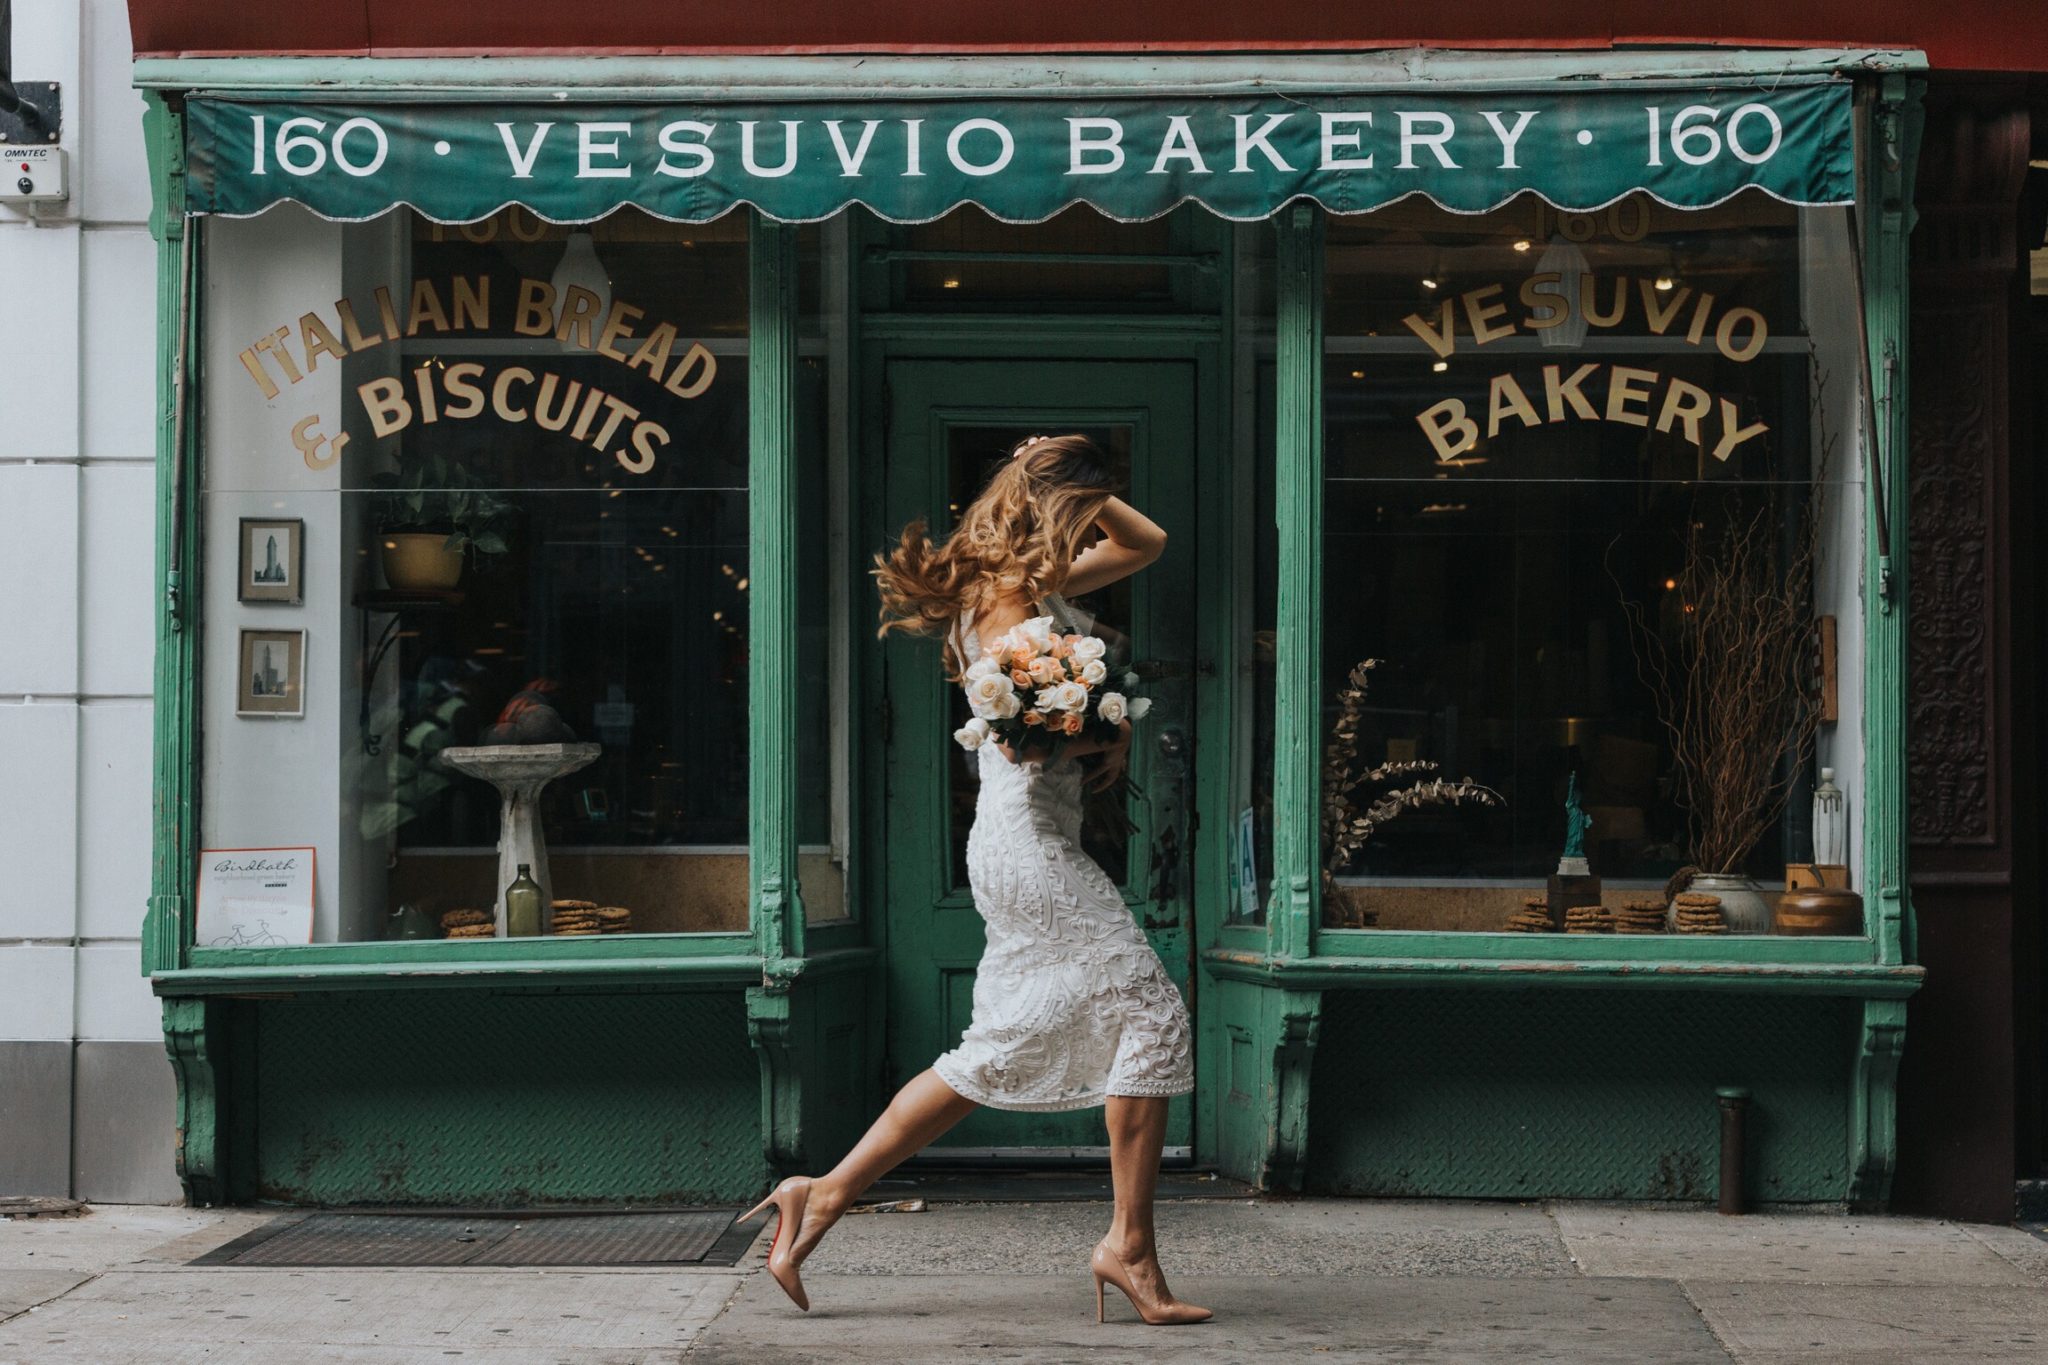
x=1020, y=677
x=1071, y=724
x=1034, y=718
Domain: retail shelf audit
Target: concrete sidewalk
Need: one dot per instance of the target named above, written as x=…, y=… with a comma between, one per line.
x=1293, y=1279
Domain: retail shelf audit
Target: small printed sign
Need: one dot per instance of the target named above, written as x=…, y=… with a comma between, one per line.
x=1246, y=865
x=254, y=897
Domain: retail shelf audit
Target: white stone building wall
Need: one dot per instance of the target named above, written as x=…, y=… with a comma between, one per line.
x=86, y=1095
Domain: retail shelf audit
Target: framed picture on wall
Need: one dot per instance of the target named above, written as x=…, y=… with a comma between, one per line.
x=273, y=680
x=273, y=560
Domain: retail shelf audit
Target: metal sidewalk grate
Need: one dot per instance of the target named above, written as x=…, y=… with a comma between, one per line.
x=703, y=1237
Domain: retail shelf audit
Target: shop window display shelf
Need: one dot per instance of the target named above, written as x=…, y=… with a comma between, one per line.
x=1852, y=973
x=715, y=962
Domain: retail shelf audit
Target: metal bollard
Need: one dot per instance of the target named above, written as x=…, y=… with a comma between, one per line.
x=1734, y=1101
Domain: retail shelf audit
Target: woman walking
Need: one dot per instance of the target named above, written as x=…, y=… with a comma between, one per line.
x=1072, y=1008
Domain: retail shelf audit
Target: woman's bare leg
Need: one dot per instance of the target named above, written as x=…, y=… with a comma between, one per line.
x=1137, y=1136
x=922, y=1110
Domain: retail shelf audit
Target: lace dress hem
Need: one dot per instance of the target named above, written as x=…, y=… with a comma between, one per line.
x=996, y=1099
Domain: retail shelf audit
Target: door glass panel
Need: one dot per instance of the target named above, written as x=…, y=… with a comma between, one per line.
x=974, y=451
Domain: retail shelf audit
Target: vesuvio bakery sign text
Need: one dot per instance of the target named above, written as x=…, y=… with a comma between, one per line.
x=1236, y=144
x=1025, y=158
x=1591, y=391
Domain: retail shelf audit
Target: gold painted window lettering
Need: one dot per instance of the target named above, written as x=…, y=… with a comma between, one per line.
x=1559, y=448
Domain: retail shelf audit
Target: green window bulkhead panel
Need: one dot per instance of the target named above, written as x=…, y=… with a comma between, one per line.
x=1026, y=158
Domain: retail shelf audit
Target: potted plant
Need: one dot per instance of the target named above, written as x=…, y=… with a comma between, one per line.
x=1728, y=657
x=1356, y=803
x=433, y=509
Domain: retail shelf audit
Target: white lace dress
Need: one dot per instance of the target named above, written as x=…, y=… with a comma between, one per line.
x=1071, y=1005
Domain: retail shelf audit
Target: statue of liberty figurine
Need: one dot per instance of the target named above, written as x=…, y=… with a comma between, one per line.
x=1576, y=823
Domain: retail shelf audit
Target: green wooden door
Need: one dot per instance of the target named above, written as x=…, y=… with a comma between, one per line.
x=949, y=422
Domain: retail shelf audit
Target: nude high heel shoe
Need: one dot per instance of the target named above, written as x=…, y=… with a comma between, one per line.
x=789, y=1199
x=1107, y=1267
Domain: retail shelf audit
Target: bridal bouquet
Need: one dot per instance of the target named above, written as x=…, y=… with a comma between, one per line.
x=1035, y=684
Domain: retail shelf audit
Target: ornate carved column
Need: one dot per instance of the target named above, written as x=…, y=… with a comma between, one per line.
x=1956, y=1129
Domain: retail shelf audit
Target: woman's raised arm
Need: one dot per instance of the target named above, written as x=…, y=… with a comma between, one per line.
x=1130, y=541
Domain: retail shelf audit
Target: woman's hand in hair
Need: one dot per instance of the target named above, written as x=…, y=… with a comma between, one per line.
x=1130, y=541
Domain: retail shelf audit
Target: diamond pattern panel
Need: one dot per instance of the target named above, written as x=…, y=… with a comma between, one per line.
x=479, y=1099
x=1576, y=1094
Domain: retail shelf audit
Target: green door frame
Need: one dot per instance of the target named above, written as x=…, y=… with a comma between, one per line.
x=1038, y=393
x=1221, y=650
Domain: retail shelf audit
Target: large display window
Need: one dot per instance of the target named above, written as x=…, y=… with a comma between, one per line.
x=1592, y=507
x=475, y=509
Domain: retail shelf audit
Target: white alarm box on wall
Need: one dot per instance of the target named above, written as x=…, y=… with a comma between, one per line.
x=31, y=175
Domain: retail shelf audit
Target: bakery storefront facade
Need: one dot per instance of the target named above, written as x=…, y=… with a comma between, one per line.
x=540, y=820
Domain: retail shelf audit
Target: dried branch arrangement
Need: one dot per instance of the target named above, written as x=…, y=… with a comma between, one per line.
x=1728, y=657
x=1347, y=823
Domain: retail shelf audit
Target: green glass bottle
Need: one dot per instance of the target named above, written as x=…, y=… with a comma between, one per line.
x=522, y=905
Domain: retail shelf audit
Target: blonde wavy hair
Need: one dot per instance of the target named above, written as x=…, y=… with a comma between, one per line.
x=1019, y=535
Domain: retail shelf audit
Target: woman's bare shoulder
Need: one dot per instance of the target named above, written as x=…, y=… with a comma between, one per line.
x=993, y=620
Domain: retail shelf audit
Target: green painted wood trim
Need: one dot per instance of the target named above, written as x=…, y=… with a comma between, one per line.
x=196, y=1061
x=1292, y=914
x=438, y=953
x=1890, y=148
x=1892, y=135
x=1855, y=979
x=826, y=76
x=775, y=900
x=1487, y=946
x=1118, y=333
x=1874, y=1096
x=174, y=824
x=733, y=970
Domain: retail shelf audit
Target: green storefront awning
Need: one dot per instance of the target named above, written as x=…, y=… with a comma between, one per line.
x=1023, y=159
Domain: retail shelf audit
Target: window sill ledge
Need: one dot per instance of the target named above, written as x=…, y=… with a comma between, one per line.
x=1861, y=979
x=285, y=972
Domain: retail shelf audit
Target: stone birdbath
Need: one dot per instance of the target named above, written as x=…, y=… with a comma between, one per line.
x=519, y=772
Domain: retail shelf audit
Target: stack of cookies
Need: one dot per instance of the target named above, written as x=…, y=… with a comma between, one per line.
x=1532, y=918
x=1588, y=919
x=468, y=924
x=614, y=919
x=1698, y=913
x=575, y=917
x=1640, y=917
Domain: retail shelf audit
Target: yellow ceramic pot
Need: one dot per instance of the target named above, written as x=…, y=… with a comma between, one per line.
x=418, y=561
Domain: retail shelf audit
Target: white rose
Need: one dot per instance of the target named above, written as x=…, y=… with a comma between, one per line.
x=1041, y=700
x=1093, y=672
x=1111, y=707
x=1130, y=681
x=1036, y=632
x=982, y=692
x=984, y=667
x=1070, y=696
x=1089, y=648
x=1008, y=705
x=1139, y=706
x=971, y=735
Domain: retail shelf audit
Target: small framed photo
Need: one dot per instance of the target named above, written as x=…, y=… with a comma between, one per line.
x=273, y=679
x=273, y=560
